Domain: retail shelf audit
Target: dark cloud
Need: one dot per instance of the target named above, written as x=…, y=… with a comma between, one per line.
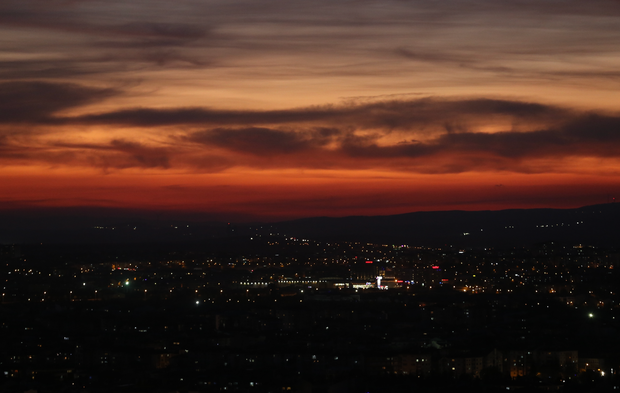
x=145, y=156
x=171, y=31
x=49, y=69
x=265, y=141
x=121, y=36
x=113, y=58
x=585, y=136
x=577, y=135
x=595, y=128
x=89, y=39
x=429, y=135
x=412, y=114
x=37, y=102
x=69, y=17
x=117, y=154
x=389, y=115
x=146, y=117
x=386, y=115
x=120, y=153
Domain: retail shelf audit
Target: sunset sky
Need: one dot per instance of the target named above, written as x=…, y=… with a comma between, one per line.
x=279, y=109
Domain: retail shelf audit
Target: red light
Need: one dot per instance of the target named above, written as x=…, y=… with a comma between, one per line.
x=444, y=279
x=368, y=261
x=435, y=267
x=399, y=281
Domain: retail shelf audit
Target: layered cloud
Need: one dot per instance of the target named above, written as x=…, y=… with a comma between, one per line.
x=426, y=135
x=60, y=39
x=37, y=102
x=582, y=135
x=231, y=90
x=388, y=115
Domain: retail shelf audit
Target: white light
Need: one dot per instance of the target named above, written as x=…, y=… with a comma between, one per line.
x=197, y=301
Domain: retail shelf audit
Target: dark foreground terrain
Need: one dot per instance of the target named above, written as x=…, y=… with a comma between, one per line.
x=288, y=314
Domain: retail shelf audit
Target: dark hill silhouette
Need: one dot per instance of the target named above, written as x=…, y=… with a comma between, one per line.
x=597, y=225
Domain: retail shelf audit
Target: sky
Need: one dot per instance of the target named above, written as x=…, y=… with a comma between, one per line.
x=269, y=110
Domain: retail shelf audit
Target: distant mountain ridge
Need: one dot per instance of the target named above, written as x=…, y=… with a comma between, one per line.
x=597, y=225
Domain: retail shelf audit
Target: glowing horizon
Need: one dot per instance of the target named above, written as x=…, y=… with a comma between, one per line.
x=278, y=110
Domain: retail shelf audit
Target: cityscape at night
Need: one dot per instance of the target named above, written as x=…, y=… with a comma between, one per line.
x=326, y=196
x=257, y=310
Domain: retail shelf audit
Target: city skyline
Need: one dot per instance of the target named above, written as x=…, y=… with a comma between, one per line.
x=243, y=111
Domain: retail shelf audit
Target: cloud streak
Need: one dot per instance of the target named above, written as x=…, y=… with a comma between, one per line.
x=388, y=115
x=587, y=135
x=119, y=36
x=425, y=135
x=37, y=102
